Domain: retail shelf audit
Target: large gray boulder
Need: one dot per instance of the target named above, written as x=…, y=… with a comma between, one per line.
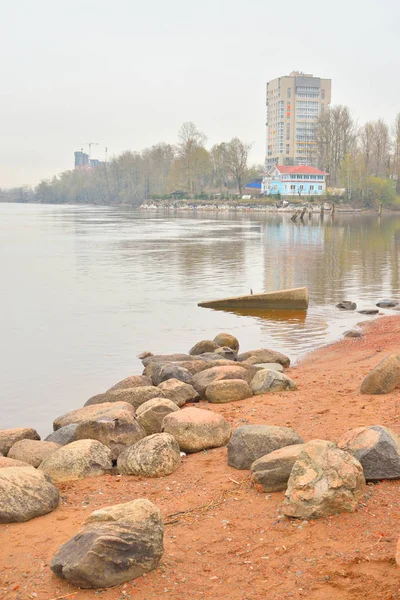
x=63, y=436
x=150, y=415
x=133, y=396
x=131, y=382
x=226, y=353
x=346, y=305
x=25, y=493
x=386, y=303
x=228, y=390
x=377, y=448
x=98, y=411
x=116, y=431
x=84, y=458
x=324, y=481
x=384, y=378
x=273, y=470
x=32, y=451
x=155, y=456
x=8, y=437
x=166, y=358
x=171, y=371
x=202, y=347
x=196, y=429
x=250, y=442
x=178, y=392
x=269, y=381
x=202, y=380
x=115, y=544
x=264, y=355
x=227, y=340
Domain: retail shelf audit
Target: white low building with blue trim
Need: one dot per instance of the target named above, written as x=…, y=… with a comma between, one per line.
x=301, y=180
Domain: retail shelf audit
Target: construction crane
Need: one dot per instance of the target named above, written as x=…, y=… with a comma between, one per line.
x=90, y=144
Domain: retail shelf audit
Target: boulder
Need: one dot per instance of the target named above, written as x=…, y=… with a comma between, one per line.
x=134, y=396
x=227, y=340
x=193, y=366
x=172, y=371
x=25, y=493
x=353, y=333
x=250, y=442
x=10, y=462
x=271, y=381
x=324, y=481
x=202, y=380
x=32, y=451
x=144, y=354
x=263, y=355
x=368, y=311
x=155, y=456
x=65, y=435
x=84, y=458
x=150, y=415
x=8, y=437
x=384, y=378
x=165, y=358
x=116, y=431
x=228, y=390
x=115, y=544
x=269, y=366
x=203, y=346
x=131, y=382
x=227, y=353
x=196, y=429
x=213, y=357
x=178, y=392
x=272, y=471
x=98, y=411
x=376, y=448
x=346, y=305
x=387, y=303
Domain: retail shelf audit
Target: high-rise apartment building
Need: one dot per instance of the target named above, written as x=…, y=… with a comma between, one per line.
x=294, y=104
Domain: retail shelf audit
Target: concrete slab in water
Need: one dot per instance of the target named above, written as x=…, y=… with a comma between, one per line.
x=294, y=299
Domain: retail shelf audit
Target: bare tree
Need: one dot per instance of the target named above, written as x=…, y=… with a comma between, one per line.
x=236, y=155
x=190, y=141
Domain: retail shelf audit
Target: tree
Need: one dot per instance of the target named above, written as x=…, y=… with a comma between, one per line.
x=236, y=155
x=396, y=152
x=191, y=140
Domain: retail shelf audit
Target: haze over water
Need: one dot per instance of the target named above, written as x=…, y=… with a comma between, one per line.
x=86, y=289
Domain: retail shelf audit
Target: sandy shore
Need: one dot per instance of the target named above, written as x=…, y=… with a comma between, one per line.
x=226, y=541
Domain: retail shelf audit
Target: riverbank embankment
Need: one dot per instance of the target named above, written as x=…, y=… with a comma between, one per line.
x=223, y=536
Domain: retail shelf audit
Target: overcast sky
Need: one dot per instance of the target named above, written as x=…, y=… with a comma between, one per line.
x=127, y=73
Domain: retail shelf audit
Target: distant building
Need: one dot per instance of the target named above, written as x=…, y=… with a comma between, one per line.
x=81, y=160
x=294, y=181
x=294, y=104
x=94, y=162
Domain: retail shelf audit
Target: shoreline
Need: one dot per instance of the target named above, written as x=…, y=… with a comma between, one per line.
x=233, y=540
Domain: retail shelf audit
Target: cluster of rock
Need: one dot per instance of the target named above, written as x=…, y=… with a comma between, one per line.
x=320, y=478
x=349, y=305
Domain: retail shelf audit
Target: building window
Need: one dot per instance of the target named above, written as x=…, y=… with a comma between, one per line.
x=311, y=188
x=287, y=148
x=322, y=94
x=292, y=187
x=302, y=187
x=320, y=187
x=289, y=92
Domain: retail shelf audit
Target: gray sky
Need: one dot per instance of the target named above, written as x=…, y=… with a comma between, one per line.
x=126, y=74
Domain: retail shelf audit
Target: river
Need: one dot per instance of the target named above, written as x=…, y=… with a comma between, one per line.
x=85, y=289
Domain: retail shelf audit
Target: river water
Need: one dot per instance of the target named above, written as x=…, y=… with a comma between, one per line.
x=86, y=289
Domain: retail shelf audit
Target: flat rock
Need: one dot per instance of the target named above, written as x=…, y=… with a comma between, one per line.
x=324, y=481
x=250, y=442
x=387, y=303
x=25, y=493
x=264, y=355
x=268, y=381
x=32, y=451
x=116, y=430
x=150, y=415
x=227, y=353
x=172, y=371
x=384, y=378
x=133, y=396
x=10, y=462
x=64, y=435
x=203, y=346
x=178, y=391
x=270, y=366
x=196, y=429
x=8, y=437
x=228, y=390
x=97, y=411
x=166, y=358
x=155, y=456
x=273, y=470
x=227, y=340
x=115, y=544
x=377, y=448
x=346, y=305
x=202, y=380
x=131, y=382
x=368, y=311
x=84, y=458
x=353, y=333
